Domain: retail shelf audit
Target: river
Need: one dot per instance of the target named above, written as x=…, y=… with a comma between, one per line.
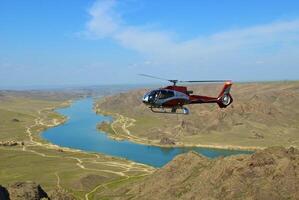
x=80, y=132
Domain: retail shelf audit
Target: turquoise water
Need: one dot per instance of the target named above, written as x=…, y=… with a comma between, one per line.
x=80, y=132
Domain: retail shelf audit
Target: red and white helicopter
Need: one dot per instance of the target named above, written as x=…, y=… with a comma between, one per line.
x=172, y=98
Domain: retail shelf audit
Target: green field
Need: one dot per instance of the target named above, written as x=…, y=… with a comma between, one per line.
x=22, y=118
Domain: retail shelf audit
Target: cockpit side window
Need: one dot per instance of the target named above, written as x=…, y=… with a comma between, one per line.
x=164, y=94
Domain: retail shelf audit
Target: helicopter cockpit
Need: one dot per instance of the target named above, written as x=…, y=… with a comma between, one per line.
x=149, y=97
x=155, y=96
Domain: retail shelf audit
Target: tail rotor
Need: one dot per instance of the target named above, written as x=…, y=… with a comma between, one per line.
x=224, y=98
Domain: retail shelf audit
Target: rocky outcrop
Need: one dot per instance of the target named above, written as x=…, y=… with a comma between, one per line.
x=26, y=190
x=167, y=141
x=267, y=174
x=11, y=143
x=31, y=191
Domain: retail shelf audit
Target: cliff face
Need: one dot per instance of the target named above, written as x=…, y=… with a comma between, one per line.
x=267, y=174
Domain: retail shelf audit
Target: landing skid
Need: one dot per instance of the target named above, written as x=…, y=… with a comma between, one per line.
x=184, y=110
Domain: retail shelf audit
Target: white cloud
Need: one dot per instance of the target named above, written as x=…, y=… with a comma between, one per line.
x=104, y=20
x=242, y=47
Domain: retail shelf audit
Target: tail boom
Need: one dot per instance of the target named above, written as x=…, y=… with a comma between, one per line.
x=223, y=100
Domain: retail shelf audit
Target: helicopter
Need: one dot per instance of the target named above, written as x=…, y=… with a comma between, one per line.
x=173, y=98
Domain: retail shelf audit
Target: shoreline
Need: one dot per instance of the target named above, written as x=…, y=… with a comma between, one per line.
x=48, y=145
x=182, y=145
x=138, y=140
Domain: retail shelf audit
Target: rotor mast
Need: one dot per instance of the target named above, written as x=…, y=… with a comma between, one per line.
x=174, y=82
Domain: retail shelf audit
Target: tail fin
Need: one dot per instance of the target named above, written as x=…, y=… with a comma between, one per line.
x=224, y=98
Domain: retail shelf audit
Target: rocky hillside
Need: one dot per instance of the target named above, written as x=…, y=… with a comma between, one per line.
x=262, y=115
x=271, y=174
x=31, y=191
x=267, y=174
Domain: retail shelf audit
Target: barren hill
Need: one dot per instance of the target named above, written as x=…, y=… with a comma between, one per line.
x=267, y=174
x=262, y=115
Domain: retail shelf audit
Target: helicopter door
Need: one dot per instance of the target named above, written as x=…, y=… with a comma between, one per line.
x=165, y=94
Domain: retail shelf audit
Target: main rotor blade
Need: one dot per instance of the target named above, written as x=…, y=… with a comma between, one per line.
x=153, y=77
x=175, y=81
x=206, y=81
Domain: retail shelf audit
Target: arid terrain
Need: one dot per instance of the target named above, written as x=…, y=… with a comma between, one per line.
x=262, y=115
x=270, y=174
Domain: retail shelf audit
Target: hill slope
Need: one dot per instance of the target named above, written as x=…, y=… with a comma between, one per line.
x=262, y=115
x=267, y=174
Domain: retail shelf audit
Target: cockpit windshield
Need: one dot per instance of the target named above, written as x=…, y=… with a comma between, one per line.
x=152, y=96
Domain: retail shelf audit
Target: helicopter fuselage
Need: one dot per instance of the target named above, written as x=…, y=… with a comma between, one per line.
x=175, y=97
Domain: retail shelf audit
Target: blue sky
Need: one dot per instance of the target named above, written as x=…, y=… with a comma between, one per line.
x=87, y=42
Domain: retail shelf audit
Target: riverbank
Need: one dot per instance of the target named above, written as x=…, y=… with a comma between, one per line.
x=118, y=130
x=82, y=174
